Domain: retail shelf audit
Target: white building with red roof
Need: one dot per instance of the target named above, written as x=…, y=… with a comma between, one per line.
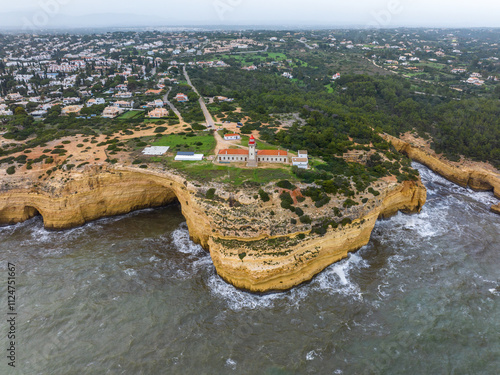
x=252, y=156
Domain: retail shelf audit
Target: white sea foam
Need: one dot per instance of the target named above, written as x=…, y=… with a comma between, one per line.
x=130, y=272
x=311, y=355
x=182, y=242
x=231, y=363
x=334, y=280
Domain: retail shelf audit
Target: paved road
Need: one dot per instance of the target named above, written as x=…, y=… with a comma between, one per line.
x=244, y=52
x=176, y=111
x=307, y=45
x=208, y=117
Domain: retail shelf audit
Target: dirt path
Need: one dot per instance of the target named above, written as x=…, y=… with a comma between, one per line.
x=176, y=111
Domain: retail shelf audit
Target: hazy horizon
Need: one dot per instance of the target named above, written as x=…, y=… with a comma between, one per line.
x=368, y=13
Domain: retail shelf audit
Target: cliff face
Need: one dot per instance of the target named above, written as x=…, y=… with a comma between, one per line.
x=100, y=193
x=477, y=179
x=281, y=262
x=250, y=248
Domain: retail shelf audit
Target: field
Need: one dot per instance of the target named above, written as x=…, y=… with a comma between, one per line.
x=206, y=171
x=204, y=143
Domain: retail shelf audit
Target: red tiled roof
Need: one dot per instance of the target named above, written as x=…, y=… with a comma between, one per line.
x=233, y=152
x=272, y=153
x=231, y=135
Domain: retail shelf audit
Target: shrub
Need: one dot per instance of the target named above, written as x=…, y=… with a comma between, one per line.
x=286, y=201
x=374, y=192
x=349, y=203
x=346, y=221
x=11, y=170
x=285, y=184
x=293, y=221
x=299, y=211
x=305, y=219
x=160, y=129
x=264, y=196
x=210, y=193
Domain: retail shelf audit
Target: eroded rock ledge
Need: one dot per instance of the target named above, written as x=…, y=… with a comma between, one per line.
x=475, y=178
x=250, y=248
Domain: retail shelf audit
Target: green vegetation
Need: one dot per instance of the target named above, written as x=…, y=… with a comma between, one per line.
x=202, y=142
x=264, y=196
x=210, y=193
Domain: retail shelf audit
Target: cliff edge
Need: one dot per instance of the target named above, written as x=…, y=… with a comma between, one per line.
x=252, y=243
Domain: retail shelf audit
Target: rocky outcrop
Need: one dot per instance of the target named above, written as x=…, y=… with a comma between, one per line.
x=475, y=178
x=496, y=208
x=250, y=247
x=100, y=193
x=281, y=262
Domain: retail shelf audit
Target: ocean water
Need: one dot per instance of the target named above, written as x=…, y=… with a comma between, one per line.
x=133, y=295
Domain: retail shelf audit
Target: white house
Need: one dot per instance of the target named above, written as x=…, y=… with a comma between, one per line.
x=231, y=137
x=97, y=101
x=301, y=160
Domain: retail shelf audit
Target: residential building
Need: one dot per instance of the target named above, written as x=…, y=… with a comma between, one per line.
x=72, y=109
x=111, y=112
x=180, y=97
x=158, y=113
x=97, y=101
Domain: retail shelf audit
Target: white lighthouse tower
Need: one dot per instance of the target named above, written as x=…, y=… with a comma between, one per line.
x=252, y=153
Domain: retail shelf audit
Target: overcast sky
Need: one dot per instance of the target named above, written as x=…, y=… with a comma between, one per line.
x=300, y=12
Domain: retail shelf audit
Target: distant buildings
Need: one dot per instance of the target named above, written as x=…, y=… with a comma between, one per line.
x=223, y=99
x=180, y=97
x=111, y=112
x=97, y=101
x=72, y=109
x=158, y=113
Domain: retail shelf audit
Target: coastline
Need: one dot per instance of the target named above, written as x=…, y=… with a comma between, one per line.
x=477, y=178
x=288, y=256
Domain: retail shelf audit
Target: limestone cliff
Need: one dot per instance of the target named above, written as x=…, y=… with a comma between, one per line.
x=250, y=247
x=476, y=178
x=281, y=262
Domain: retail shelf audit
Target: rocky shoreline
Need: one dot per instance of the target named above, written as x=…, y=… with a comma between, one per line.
x=250, y=248
x=479, y=178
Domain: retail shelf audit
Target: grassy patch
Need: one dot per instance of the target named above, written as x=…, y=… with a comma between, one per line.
x=204, y=143
x=260, y=145
x=205, y=171
x=130, y=115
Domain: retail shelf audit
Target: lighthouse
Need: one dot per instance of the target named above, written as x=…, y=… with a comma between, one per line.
x=252, y=152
